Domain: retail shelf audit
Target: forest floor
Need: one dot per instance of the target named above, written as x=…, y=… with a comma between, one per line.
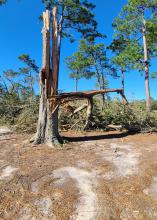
x=95, y=176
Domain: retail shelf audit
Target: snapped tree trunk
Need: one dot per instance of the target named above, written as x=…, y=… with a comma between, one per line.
x=148, y=100
x=47, y=128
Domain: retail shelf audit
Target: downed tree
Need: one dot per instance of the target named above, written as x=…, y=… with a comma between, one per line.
x=115, y=127
x=71, y=96
x=59, y=21
x=80, y=108
x=85, y=94
x=50, y=100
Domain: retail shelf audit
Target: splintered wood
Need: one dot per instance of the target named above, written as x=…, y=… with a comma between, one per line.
x=55, y=54
x=46, y=51
x=46, y=20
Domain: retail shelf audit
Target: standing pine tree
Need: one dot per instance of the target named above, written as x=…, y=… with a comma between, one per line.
x=95, y=59
x=79, y=67
x=126, y=56
x=133, y=23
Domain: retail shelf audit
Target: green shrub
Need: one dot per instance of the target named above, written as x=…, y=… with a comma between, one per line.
x=27, y=119
x=23, y=116
x=10, y=108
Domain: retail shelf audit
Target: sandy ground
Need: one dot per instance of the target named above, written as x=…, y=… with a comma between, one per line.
x=96, y=176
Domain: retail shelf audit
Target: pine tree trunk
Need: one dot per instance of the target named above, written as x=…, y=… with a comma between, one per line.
x=47, y=128
x=52, y=137
x=122, y=85
x=31, y=89
x=148, y=100
x=42, y=120
x=55, y=55
x=122, y=79
x=76, y=85
x=103, y=95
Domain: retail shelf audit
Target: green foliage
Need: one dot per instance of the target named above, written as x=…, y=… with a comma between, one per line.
x=11, y=82
x=154, y=75
x=91, y=60
x=132, y=117
x=9, y=108
x=16, y=88
x=75, y=15
x=69, y=121
x=152, y=37
x=27, y=119
x=25, y=58
x=128, y=30
x=128, y=54
x=79, y=66
x=23, y=115
x=29, y=74
x=20, y=83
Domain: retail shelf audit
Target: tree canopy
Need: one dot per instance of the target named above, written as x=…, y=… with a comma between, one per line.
x=74, y=15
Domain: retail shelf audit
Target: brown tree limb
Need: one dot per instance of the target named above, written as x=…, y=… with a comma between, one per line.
x=89, y=113
x=80, y=108
x=84, y=94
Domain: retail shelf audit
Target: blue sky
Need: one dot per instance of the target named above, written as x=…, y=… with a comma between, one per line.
x=20, y=32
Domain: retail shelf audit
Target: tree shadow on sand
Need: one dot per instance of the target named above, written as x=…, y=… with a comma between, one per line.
x=98, y=137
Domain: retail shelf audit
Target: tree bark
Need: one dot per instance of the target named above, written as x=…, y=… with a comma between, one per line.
x=148, y=100
x=56, y=47
x=122, y=79
x=31, y=88
x=76, y=84
x=103, y=87
x=122, y=86
x=55, y=55
x=84, y=94
x=47, y=128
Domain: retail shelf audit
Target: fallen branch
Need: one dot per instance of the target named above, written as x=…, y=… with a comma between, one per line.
x=75, y=124
x=80, y=108
x=115, y=127
x=84, y=94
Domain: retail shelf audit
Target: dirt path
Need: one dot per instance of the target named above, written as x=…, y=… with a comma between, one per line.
x=110, y=176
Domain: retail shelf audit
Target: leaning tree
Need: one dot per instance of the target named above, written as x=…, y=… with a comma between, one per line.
x=61, y=19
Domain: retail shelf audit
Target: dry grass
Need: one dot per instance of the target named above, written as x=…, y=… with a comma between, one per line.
x=47, y=183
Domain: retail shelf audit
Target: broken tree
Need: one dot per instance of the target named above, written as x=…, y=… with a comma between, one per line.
x=56, y=26
x=47, y=129
x=63, y=98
